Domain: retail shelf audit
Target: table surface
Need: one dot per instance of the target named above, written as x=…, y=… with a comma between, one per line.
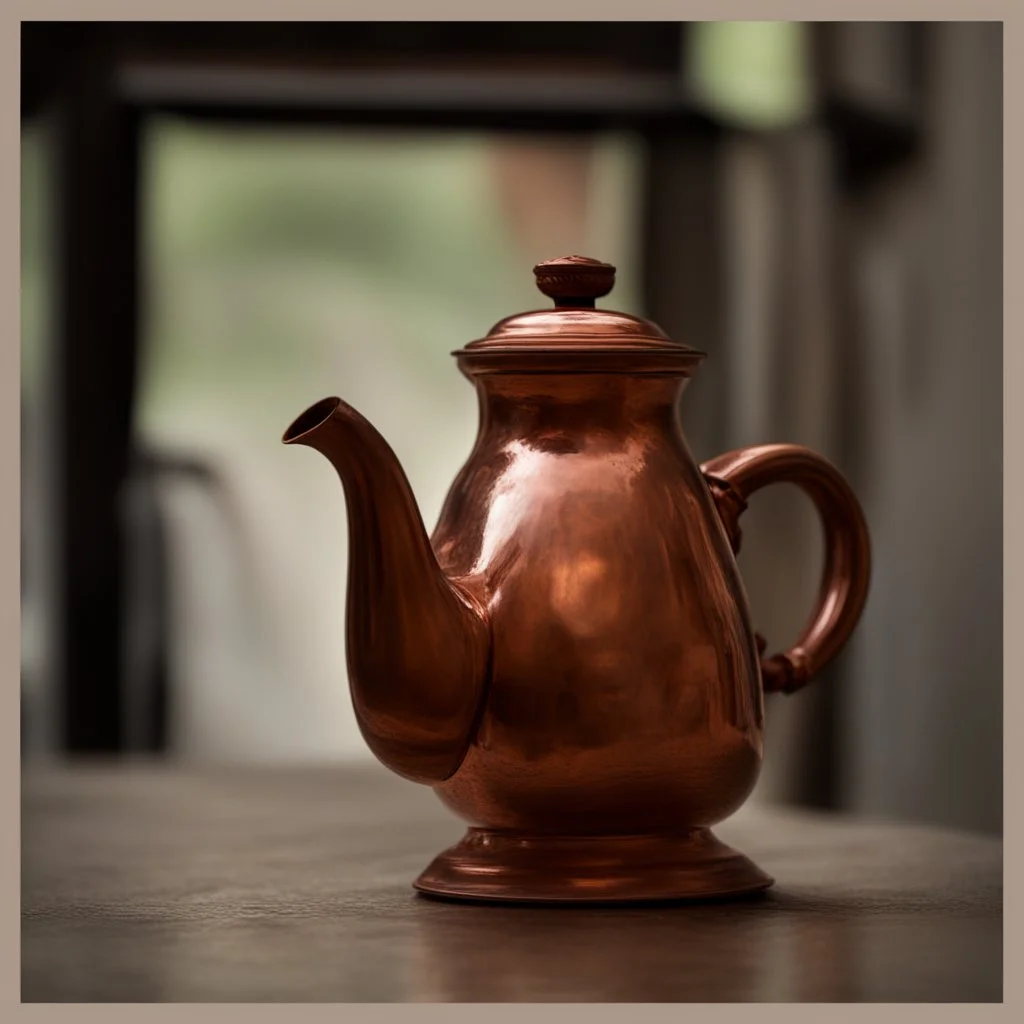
x=159, y=884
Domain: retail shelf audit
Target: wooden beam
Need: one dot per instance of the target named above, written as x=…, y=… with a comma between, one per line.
x=92, y=390
x=684, y=266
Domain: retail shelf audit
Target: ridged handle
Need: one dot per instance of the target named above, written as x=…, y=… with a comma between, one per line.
x=733, y=478
x=575, y=281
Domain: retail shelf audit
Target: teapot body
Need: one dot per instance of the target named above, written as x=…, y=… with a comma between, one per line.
x=569, y=659
x=624, y=692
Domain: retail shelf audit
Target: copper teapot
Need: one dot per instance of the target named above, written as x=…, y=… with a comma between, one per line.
x=569, y=659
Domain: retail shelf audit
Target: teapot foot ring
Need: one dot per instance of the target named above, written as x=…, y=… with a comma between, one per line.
x=511, y=867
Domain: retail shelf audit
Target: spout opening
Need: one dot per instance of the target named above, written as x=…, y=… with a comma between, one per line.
x=312, y=418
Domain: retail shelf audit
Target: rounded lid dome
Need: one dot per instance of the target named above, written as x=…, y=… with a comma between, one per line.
x=576, y=332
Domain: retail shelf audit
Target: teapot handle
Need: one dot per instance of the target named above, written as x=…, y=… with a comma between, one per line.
x=733, y=477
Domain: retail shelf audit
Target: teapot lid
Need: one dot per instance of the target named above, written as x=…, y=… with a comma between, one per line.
x=575, y=335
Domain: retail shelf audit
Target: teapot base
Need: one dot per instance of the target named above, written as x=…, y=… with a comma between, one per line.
x=493, y=866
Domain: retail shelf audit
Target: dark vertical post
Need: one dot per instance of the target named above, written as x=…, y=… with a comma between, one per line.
x=96, y=204
x=869, y=80
x=685, y=265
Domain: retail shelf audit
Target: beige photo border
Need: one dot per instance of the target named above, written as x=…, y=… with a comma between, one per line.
x=13, y=12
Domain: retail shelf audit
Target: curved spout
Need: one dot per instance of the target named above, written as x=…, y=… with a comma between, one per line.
x=417, y=646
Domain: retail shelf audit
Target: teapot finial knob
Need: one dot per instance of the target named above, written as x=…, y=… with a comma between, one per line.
x=575, y=281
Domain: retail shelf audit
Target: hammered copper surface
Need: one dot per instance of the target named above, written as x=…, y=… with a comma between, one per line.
x=569, y=660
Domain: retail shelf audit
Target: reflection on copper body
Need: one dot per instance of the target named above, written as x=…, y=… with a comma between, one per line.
x=569, y=659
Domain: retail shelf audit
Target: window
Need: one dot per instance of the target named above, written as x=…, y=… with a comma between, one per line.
x=284, y=266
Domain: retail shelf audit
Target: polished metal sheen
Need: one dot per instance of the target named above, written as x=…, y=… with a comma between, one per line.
x=569, y=660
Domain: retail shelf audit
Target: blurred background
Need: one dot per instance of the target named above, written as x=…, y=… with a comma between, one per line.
x=223, y=223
